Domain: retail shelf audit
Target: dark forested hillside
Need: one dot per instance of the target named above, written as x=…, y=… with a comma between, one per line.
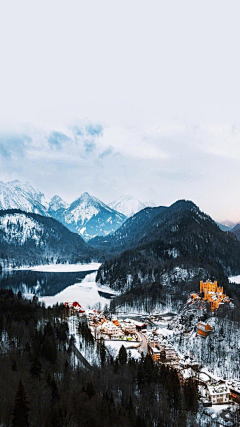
x=30, y=239
x=130, y=233
x=168, y=246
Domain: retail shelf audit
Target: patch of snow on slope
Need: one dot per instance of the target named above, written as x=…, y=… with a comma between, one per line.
x=234, y=279
x=174, y=252
x=20, y=228
x=178, y=274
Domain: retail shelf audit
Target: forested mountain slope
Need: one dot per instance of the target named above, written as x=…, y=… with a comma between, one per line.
x=167, y=246
x=30, y=239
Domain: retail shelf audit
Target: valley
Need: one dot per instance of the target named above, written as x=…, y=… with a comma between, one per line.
x=158, y=289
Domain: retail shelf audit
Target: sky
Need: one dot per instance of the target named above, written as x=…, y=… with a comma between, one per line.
x=130, y=97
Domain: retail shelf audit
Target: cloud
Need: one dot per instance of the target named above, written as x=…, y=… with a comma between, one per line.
x=132, y=143
x=90, y=146
x=57, y=139
x=87, y=129
x=86, y=136
x=12, y=146
x=106, y=153
x=94, y=129
x=164, y=163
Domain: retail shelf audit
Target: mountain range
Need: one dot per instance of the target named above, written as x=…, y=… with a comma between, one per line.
x=155, y=248
x=86, y=216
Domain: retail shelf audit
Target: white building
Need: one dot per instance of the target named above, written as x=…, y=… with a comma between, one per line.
x=110, y=329
x=218, y=393
x=128, y=327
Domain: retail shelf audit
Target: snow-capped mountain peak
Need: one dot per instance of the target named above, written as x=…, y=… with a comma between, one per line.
x=87, y=200
x=84, y=208
x=128, y=205
x=18, y=195
x=89, y=217
x=57, y=203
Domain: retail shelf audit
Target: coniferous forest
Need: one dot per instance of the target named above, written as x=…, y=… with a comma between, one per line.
x=43, y=383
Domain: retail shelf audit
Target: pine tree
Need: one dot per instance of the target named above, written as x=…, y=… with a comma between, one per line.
x=90, y=390
x=36, y=367
x=102, y=353
x=21, y=408
x=122, y=355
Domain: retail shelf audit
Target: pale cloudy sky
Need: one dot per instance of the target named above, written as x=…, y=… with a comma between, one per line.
x=129, y=97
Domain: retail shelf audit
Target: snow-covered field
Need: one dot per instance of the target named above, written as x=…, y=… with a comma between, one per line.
x=114, y=347
x=63, y=268
x=234, y=279
x=85, y=292
x=164, y=331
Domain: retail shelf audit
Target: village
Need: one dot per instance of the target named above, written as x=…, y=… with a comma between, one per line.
x=154, y=334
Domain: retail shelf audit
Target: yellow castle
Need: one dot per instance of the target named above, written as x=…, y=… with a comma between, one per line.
x=212, y=293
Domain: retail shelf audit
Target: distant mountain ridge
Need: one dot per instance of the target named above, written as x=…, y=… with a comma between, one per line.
x=226, y=225
x=57, y=203
x=129, y=205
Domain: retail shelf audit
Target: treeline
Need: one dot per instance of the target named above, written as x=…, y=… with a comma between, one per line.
x=42, y=384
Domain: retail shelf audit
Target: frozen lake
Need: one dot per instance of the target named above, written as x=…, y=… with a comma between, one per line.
x=88, y=293
x=59, y=283
x=62, y=268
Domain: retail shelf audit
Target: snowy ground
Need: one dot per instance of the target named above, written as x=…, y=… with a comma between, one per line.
x=63, y=268
x=89, y=351
x=234, y=279
x=164, y=331
x=114, y=347
x=85, y=292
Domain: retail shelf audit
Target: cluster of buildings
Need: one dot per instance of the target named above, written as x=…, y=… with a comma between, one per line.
x=161, y=350
x=212, y=390
x=115, y=329
x=75, y=306
x=112, y=328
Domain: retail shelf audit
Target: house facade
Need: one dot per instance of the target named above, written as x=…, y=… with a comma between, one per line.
x=218, y=393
